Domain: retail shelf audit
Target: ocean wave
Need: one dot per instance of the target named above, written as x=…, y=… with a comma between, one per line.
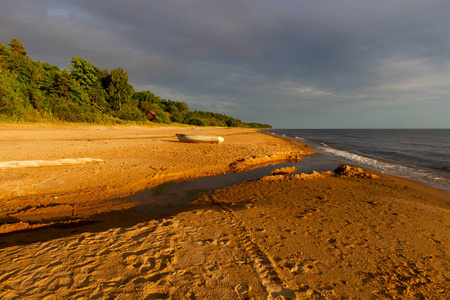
x=417, y=155
x=392, y=168
x=355, y=157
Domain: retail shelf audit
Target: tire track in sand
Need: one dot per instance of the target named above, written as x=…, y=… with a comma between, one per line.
x=264, y=265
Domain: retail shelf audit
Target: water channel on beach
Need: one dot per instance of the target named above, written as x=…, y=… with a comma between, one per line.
x=173, y=195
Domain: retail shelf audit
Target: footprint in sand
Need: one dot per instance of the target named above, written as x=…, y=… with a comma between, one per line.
x=242, y=291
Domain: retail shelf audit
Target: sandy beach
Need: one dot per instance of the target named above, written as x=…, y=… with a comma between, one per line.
x=90, y=229
x=125, y=160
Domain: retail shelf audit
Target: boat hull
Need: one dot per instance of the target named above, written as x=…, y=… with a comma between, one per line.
x=196, y=138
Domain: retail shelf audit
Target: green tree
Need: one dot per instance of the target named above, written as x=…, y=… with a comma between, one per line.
x=12, y=100
x=175, y=115
x=16, y=47
x=33, y=86
x=183, y=108
x=5, y=57
x=233, y=122
x=97, y=97
x=78, y=94
x=31, y=90
x=49, y=77
x=146, y=101
x=84, y=72
x=90, y=78
x=21, y=65
x=62, y=85
x=118, y=89
x=197, y=122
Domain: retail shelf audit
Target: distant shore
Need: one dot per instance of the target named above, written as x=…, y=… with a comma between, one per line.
x=312, y=236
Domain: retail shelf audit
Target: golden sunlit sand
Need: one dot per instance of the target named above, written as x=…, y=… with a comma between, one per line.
x=357, y=235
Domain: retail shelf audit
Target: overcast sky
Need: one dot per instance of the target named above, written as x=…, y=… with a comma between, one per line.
x=289, y=63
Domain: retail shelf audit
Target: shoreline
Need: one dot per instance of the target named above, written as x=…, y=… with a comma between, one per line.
x=418, y=173
x=61, y=205
x=317, y=236
x=133, y=159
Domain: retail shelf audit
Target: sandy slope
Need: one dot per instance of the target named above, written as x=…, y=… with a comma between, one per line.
x=320, y=237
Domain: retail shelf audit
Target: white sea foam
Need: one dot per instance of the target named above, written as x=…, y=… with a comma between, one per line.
x=420, y=155
x=385, y=167
x=351, y=156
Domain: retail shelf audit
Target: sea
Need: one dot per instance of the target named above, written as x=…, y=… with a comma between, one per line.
x=422, y=155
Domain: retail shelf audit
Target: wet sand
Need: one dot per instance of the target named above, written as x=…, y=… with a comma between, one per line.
x=319, y=236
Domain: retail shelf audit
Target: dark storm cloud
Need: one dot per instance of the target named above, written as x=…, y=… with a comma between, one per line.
x=290, y=63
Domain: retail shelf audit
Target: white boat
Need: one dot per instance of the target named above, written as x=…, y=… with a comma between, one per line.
x=197, y=138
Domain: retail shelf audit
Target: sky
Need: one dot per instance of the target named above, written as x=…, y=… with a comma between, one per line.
x=288, y=63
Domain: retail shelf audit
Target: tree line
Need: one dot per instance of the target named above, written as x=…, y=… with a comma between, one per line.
x=33, y=91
